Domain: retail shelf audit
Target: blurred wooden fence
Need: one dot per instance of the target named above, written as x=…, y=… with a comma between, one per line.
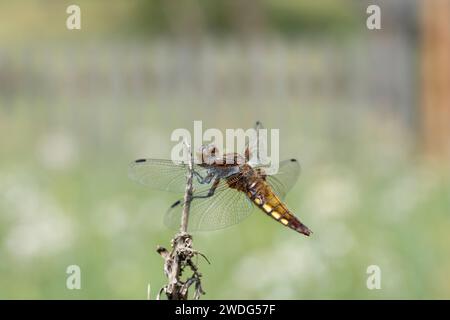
x=435, y=58
x=357, y=72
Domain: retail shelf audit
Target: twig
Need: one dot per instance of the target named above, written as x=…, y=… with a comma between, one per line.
x=182, y=252
x=187, y=192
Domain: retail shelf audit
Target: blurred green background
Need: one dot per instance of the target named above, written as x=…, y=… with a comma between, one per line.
x=76, y=107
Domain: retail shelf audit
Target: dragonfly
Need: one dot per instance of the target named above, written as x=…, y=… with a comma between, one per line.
x=224, y=192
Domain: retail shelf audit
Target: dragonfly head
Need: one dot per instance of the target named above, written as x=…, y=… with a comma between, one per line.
x=207, y=154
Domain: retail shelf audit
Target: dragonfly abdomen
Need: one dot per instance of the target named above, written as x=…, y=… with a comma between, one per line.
x=262, y=196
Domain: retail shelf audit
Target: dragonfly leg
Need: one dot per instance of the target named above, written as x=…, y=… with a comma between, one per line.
x=203, y=180
x=210, y=191
x=209, y=194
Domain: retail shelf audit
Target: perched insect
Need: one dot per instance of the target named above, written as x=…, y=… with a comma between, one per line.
x=225, y=192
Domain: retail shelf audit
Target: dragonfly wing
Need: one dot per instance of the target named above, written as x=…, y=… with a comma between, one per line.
x=225, y=208
x=256, y=147
x=286, y=177
x=289, y=170
x=164, y=175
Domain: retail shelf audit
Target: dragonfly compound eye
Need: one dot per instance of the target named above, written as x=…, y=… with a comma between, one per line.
x=209, y=153
x=199, y=154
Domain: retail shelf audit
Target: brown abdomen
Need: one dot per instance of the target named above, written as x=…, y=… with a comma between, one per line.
x=262, y=195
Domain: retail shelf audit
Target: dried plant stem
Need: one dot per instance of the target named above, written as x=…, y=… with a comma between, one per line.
x=182, y=252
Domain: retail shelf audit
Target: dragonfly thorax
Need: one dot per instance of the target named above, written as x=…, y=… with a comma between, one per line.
x=209, y=155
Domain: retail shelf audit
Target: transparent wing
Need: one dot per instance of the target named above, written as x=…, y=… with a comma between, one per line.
x=289, y=170
x=225, y=208
x=256, y=148
x=286, y=177
x=164, y=174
